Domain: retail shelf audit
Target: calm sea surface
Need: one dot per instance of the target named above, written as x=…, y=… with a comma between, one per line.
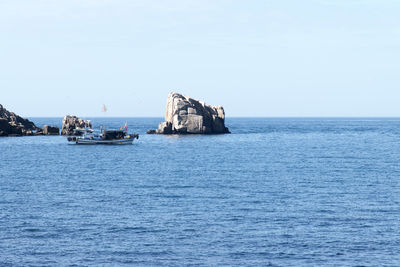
x=276, y=192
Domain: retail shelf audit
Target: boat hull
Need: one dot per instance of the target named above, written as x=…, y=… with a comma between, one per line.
x=104, y=142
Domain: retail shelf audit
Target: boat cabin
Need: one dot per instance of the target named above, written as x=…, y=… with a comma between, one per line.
x=113, y=134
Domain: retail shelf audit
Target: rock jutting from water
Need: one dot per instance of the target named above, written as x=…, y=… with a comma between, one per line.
x=14, y=125
x=70, y=123
x=185, y=115
x=51, y=130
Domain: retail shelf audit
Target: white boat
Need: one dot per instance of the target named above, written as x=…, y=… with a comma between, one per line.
x=106, y=137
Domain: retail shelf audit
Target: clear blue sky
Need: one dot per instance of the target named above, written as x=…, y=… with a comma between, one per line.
x=256, y=58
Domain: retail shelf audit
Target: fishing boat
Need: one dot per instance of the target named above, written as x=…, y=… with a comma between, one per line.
x=106, y=137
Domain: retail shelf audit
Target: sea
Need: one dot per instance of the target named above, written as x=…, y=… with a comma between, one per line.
x=275, y=192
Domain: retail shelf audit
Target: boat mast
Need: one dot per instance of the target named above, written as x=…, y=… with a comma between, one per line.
x=103, y=109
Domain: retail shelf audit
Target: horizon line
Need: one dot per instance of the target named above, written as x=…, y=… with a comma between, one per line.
x=240, y=117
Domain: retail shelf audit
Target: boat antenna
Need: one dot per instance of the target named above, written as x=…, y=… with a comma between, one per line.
x=103, y=109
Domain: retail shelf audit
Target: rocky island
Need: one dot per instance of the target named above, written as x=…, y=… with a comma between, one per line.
x=13, y=125
x=70, y=123
x=185, y=115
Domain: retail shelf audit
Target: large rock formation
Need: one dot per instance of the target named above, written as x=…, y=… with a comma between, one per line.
x=185, y=115
x=14, y=125
x=70, y=123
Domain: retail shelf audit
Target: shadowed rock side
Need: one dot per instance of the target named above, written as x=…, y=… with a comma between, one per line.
x=51, y=130
x=185, y=115
x=70, y=123
x=14, y=125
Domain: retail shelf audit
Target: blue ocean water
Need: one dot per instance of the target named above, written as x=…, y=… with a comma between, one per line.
x=275, y=192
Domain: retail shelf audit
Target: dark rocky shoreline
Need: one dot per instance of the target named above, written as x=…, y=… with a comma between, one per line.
x=13, y=125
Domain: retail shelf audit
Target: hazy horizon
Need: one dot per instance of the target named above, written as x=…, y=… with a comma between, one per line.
x=314, y=58
x=229, y=117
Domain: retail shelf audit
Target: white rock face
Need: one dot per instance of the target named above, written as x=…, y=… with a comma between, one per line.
x=185, y=115
x=70, y=123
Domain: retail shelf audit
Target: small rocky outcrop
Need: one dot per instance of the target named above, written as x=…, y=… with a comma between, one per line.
x=14, y=125
x=185, y=115
x=70, y=123
x=51, y=130
x=151, y=132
